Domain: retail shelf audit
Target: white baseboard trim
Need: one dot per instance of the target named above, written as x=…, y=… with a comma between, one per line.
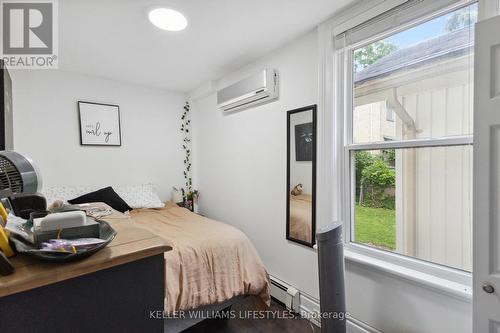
x=356, y=326
x=309, y=308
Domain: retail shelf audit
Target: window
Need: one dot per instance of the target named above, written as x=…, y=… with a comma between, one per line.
x=412, y=194
x=389, y=115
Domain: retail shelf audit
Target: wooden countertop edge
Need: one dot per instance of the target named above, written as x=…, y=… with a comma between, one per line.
x=36, y=277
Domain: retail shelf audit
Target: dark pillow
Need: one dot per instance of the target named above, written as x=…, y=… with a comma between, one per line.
x=106, y=195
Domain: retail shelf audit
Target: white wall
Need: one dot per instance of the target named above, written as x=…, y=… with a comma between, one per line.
x=394, y=305
x=240, y=162
x=240, y=170
x=46, y=128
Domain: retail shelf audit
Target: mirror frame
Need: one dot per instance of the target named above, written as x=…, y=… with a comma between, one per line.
x=313, y=194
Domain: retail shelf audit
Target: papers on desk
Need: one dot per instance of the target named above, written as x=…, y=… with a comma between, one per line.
x=20, y=228
x=17, y=226
x=70, y=245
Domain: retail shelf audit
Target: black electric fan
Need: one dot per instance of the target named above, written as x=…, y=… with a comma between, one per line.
x=20, y=182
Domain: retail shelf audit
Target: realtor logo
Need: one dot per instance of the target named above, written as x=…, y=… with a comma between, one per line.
x=29, y=34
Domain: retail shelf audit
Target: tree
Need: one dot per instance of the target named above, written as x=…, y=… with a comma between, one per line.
x=376, y=180
x=370, y=54
x=363, y=160
x=378, y=174
x=462, y=18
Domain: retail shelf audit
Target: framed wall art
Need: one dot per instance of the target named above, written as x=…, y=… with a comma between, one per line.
x=99, y=124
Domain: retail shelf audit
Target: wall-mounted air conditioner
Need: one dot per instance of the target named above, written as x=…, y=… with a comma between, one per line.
x=259, y=88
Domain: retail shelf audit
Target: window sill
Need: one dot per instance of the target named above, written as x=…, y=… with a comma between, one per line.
x=451, y=288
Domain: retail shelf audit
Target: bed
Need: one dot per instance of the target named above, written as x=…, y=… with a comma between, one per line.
x=300, y=217
x=212, y=264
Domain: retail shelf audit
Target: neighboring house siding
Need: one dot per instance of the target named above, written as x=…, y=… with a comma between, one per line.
x=443, y=176
x=371, y=124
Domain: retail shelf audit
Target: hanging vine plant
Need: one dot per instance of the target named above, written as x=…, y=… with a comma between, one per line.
x=188, y=193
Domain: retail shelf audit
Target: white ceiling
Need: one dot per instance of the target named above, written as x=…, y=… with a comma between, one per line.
x=114, y=39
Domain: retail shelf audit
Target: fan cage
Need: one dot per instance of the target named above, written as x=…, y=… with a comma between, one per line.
x=10, y=177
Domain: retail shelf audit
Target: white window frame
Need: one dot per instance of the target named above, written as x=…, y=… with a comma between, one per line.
x=456, y=281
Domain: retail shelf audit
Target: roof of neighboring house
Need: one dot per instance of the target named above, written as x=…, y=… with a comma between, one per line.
x=450, y=45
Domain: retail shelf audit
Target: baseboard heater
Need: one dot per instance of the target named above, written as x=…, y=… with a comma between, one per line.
x=286, y=294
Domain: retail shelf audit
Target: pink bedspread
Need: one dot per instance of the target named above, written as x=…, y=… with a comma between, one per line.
x=211, y=262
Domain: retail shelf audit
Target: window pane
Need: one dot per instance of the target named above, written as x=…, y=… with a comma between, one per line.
x=416, y=202
x=423, y=75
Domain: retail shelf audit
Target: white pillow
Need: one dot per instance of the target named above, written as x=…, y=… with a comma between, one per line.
x=136, y=196
x=139, y=196
x=65, y=193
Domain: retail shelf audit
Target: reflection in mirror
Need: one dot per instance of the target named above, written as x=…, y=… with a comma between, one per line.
x=301, y=171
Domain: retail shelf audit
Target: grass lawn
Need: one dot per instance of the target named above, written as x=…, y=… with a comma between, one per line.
x=376, y=226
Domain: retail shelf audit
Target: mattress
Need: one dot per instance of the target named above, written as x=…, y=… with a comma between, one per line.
x=300, y=217
x=211, y=262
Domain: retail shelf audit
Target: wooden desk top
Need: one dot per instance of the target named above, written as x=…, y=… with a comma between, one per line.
x=130, y=244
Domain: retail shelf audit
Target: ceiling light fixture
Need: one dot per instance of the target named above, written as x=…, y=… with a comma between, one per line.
x=168, y=19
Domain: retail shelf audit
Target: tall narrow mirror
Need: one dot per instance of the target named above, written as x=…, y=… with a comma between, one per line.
x=301, y=175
